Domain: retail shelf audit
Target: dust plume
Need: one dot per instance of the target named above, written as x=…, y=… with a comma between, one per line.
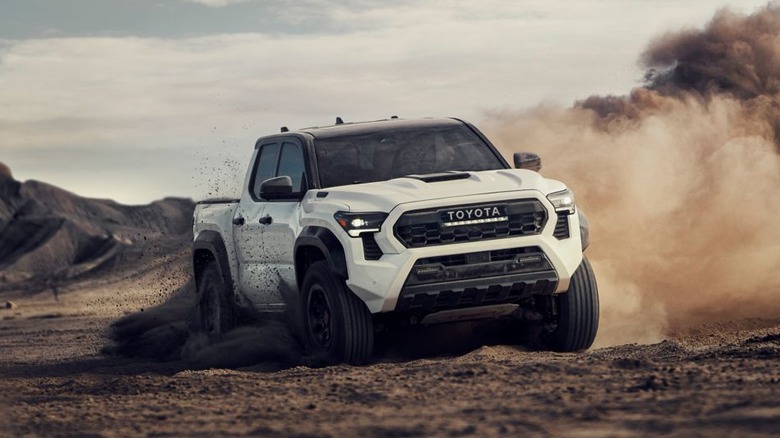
x=679, y=178
x=169, y=332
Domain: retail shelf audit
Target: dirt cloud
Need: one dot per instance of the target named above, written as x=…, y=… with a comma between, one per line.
x=168, y=332
x=679, y=178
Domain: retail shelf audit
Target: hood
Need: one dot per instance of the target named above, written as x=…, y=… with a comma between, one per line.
x=386, y=195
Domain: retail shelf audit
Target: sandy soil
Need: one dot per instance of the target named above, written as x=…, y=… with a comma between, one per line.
x=57, y=380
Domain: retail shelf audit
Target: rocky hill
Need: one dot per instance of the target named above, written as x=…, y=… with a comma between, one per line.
x=49, y=235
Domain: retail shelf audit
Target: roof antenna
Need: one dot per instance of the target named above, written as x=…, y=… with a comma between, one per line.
x=339, y=121
x=284, y=129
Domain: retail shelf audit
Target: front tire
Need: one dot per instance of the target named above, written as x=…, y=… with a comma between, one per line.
x=215, y=310
x=578, y=313
x=337, y=325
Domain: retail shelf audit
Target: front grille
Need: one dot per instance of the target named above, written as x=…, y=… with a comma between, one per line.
x=371, y=250
x=562, y=226
x=424, y=227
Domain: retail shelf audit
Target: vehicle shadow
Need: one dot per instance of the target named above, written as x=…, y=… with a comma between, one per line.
x=453, y=339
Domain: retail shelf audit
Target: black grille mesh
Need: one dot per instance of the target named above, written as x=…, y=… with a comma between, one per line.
x=498, y=255
x=562, y=226
x=424, y=227
x=371, y=250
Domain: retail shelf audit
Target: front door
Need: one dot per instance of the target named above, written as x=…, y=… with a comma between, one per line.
x=283, y=218
x=265, y=230
x=254, y=279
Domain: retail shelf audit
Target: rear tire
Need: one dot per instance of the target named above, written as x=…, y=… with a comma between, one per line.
x=337, y=325
x=216, y=313
x=578, y=313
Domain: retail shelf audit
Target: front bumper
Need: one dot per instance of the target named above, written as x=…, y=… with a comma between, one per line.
x=465, y=274
x=476, y=279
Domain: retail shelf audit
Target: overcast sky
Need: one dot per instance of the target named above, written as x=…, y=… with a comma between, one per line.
x=137, y=100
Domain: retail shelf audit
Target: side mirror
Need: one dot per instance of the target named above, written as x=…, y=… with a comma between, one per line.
x=527, y=160
x=276, y=188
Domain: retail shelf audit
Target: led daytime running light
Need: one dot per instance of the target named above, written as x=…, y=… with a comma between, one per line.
x=356, y=224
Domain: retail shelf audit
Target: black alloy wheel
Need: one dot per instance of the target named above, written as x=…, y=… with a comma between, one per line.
x=215, y=310
x=336, y=323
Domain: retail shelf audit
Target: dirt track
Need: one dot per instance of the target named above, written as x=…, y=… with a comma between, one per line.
x=719, y=380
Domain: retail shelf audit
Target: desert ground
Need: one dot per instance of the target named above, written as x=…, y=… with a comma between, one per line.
x=65, y=371
x=96, y=339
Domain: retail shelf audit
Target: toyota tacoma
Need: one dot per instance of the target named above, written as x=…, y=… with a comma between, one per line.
x=414, y=221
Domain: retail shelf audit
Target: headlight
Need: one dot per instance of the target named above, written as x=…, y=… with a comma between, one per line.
x=562, y=201
x=356, y=224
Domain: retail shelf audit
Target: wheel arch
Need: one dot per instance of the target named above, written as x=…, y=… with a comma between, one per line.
x=315, y=244
x=208, y=247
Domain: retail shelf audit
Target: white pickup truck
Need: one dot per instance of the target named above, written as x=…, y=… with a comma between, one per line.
x=412, y=221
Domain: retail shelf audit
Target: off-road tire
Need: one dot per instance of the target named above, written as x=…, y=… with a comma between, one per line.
x=578, y=313
x=216, y=313
x=337, y=325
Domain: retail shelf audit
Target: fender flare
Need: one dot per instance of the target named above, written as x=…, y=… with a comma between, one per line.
x=584, y=229
x=327, y=243
x=211, y=241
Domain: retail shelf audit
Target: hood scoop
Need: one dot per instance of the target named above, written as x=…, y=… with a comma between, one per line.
x=440, y=177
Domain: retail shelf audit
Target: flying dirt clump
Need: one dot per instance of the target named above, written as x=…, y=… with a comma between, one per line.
x=678, y=178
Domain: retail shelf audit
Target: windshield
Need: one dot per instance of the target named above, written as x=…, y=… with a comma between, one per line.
x=394, y=153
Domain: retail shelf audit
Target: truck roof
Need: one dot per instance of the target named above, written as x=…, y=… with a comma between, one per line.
x=359, y=128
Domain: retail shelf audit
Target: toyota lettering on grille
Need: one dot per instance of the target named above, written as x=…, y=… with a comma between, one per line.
x=474, y=215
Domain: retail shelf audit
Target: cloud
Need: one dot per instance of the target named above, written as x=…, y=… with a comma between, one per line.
x=216, y=3
x=213, y=96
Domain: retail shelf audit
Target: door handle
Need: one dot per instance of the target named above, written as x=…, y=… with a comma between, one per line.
x=238, y=221
x=266, y=220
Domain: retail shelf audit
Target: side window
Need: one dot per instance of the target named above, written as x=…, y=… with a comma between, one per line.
x=266, y=166
x=291, y=164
